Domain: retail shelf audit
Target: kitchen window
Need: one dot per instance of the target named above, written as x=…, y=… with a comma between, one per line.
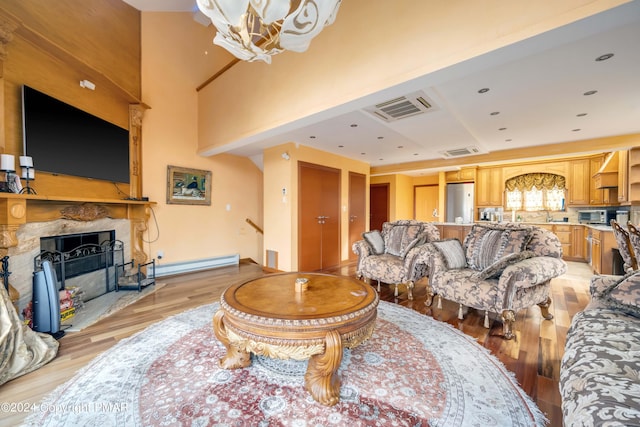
x=536, y=192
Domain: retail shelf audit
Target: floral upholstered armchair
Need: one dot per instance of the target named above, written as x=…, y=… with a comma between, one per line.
x=500, y=268
x=396, y=254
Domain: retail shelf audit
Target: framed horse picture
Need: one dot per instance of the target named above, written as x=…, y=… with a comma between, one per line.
x=187, y=186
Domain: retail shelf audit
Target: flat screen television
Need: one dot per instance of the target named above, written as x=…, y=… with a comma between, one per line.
x=63, y=139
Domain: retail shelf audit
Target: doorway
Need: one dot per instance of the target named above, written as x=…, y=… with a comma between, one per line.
x=378, y=205
x=357, y=199
x=318, y=217
x=426, y=206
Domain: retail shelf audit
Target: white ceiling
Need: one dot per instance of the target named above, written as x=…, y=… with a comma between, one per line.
x=537, y=86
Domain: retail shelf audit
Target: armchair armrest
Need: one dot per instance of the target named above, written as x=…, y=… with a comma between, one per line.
x=363, y=250
x=530, y=272
x=416, y=261
x=600, y=283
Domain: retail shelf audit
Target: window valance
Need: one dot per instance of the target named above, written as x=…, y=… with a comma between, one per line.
x=542, y=181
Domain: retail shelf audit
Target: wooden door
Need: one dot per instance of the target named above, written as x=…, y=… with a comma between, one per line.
x=318, y=217
x=378, y=205
x=357, y=211
x=426, y=203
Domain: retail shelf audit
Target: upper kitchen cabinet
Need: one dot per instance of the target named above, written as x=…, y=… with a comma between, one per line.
x=604, y=182
x=579, y=182
x=489, y=187
x=462, y=175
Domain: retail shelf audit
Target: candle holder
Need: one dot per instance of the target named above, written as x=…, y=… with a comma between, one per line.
x=8, y=166
x=28, y=174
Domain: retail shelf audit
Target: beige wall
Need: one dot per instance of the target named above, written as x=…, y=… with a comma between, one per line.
x=170, y=138
x=281, y=214
x=373, y=45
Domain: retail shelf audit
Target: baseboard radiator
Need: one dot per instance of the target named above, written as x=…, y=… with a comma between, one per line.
x=196, y=265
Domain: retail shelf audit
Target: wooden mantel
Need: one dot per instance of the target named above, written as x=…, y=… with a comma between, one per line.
x=19, y=209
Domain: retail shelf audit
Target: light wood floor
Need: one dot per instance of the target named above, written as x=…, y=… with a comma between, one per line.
x=533, y=356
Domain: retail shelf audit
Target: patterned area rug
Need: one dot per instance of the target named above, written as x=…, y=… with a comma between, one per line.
x=414, y=371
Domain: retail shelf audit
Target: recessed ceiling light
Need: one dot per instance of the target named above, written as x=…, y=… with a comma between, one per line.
x=508, y=140
x=363, y=153
x=312, y=137
x=591, y=92
x=381, y=137
x=581, y=115
x=576, y=130
x=400, y=146
x=354, y=125
x=340, y=146
x=484, y=90
x=495, y=113
x=604, y=57
x=381, y=159
x=502, y=129
x=415, y=154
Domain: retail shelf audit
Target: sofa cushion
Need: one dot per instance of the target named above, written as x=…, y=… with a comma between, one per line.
x=624, y=295
x=496, y=269
x=375, y=241
x=452, y=252
x=484, y=245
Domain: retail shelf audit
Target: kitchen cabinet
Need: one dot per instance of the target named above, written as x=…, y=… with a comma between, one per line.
x=602, y=243
x=462, y=175
x=455, y=232
x=564, y=235
x=489, y=187
x=578, y=181
x=578, y=243
x=596, y=196
x=623, y=177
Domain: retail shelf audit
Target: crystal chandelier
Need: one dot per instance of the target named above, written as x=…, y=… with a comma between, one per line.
x=256, y=29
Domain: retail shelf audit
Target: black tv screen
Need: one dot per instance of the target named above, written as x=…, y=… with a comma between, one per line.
x=63, y=139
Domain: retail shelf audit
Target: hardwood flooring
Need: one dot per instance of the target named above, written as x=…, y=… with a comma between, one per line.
x=533, y=355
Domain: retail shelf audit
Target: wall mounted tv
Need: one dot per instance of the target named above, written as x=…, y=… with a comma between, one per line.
x=63, y=139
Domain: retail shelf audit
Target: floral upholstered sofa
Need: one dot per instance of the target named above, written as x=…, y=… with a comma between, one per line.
x=396, y=254
x=500, y=268
x=600, y=369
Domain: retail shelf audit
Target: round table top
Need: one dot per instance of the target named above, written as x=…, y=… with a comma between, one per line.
x=274, y=296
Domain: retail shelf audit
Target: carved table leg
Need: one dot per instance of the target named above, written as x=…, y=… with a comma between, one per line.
x=236, y=357
x=321, y=379
x=430, y=294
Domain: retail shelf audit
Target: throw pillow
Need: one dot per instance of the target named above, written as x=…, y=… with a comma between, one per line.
x=452, y=252
x=624, y=295
x=486, y=245
x=393, y=240
x=415, y=242
x=375, y=241
x=495, y=270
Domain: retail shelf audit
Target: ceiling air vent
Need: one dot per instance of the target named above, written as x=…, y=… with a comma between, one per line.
x=401, y=107
x=460, y=152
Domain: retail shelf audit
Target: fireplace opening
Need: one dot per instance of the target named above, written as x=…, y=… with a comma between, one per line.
x=83, y=252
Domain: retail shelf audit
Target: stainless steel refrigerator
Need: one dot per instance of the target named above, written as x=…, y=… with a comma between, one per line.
x=460, y=202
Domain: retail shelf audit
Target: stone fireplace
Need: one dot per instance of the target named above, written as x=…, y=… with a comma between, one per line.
x=21, y=257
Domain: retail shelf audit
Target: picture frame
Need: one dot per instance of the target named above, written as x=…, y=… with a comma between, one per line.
x=187, y=186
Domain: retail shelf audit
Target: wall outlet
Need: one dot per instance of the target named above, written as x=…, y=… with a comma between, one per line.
x=160, y=254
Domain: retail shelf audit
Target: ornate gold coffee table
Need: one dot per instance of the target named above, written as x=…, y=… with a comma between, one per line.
x=268, y=316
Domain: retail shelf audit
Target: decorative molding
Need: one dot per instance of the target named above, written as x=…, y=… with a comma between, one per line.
x=84, y=212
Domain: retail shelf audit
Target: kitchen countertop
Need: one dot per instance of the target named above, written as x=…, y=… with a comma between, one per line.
x=592, y=226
